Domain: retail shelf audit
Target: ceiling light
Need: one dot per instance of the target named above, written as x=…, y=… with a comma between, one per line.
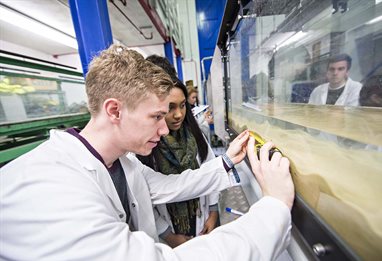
x=294, y=38
x=19, y=20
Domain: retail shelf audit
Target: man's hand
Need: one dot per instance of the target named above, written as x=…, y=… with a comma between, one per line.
x=237, y=148
x=210, y=223
x=174, y=240
x=273, y=175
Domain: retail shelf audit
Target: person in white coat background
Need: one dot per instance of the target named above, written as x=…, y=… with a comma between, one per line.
x=64, y=199
x=203, y=118
x=341, y=89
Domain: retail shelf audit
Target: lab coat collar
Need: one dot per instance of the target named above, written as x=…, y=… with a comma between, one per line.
x=91, y=164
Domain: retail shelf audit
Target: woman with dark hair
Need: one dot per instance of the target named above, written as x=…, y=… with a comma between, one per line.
x=183, y=148
x=371, y=92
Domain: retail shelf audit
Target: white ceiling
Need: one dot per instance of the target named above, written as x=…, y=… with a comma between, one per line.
x=56, y=13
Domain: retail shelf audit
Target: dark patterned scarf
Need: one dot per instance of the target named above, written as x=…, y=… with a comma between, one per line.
x=177, y=152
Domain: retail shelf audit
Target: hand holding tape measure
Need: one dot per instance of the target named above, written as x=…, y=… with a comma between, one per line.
x=259, y=142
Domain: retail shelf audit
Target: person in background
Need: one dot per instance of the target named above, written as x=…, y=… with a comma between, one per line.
x=192, y=96
x=183, y=148
x=64, y=200
x=204, y=119
x=371, y=92
x=340, y=90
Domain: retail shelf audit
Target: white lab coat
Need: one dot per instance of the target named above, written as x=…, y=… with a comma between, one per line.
x=164, y=219
x=203, y=125
x=349, y=97
x=58, y=202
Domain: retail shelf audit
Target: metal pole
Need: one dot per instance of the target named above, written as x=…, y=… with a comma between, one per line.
x=92, y=25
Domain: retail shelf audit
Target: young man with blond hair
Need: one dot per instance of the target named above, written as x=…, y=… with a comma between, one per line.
x=83, y=195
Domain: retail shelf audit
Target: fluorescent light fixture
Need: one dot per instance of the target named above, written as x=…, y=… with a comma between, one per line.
x=294, y=38
x=276, y=39
x=35, y=27
x=375, y=20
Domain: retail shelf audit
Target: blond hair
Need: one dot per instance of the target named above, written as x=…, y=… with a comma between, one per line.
x=191, y=89
x=124, y=75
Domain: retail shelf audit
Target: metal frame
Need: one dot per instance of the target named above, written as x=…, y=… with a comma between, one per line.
x=21, y=75
x=20, y=137
x=38, y=66
x=92, y=25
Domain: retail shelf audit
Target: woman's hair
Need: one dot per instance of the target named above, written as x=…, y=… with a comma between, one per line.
x=191, y=89
x=165, y=64
x=371, y=92
x=189, y=122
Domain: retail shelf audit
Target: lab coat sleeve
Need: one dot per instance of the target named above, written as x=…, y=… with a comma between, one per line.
x=209, y=178
x=205, y=128
x=160, y=223
x=261, y=234
x=213, y=198
x=65, y=216
x=200, y=118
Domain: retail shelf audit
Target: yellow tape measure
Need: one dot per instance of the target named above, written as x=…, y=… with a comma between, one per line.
x=259, y=142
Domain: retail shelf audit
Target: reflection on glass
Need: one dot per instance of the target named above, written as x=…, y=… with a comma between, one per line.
x=23, y=98
x=277, y=61
x=371, y=92
x=340, y=88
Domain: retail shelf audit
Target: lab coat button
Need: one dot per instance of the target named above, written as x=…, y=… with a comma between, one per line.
x=133, y=205
x=120, y=215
